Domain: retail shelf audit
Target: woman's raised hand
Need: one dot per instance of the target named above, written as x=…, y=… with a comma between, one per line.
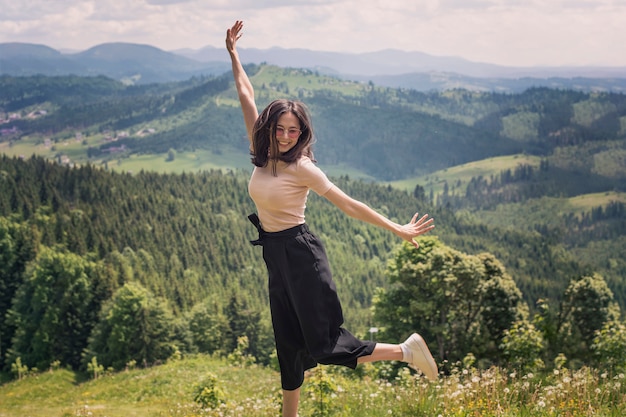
x=232, y=36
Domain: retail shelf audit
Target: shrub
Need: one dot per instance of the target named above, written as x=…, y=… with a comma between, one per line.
x=609, y=346
x=522, y=345
x=207, y=393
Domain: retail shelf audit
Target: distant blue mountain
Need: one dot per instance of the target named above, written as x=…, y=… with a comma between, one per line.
x=122, y=61
x=30, y=59
x=392, y=68
x=395, y=62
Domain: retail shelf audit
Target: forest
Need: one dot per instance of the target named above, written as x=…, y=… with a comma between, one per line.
x=95, y=259
x=76, y=240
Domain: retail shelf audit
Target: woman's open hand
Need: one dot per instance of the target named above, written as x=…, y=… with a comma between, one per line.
x=416, y=227
x=232, y=36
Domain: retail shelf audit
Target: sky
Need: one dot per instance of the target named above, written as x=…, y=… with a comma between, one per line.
x=504, y=32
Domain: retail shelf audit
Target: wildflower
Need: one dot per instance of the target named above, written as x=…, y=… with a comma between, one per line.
x=603, y=375
x=598, y=390
x=455, y=394
x=556, y=372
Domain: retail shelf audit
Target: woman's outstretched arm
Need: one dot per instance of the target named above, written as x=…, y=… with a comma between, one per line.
x=358, y=210
x=242, y=82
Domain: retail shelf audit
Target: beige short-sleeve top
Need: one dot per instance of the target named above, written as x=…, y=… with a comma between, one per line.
x=281, y=200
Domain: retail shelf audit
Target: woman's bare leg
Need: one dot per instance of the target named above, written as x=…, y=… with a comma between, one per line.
x=290, y=402
x=383, y=352
x=414, y=351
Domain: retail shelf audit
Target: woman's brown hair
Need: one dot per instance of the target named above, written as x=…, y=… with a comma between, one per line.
x=264, y=143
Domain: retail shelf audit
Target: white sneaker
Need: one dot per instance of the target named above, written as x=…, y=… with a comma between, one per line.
x=422, y=360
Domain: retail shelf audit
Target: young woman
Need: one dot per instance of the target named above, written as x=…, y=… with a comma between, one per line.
x=306, y=312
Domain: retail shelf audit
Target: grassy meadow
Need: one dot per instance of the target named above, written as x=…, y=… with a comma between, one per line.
x=250, y=391
x=200, y=160
x=535, y=211
x=463, y=173
x=586, y=202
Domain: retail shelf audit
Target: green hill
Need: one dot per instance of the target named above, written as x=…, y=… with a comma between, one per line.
x=380, y=133
x=462, y=174
x=170, y=390
x=147, y=184
x=523, y=192
x=164, y=390
x=471, y=152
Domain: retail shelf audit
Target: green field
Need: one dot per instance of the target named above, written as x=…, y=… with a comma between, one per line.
x=200, y=160
x=154, y=391
x=291, y=78
x=463, y=173
x=252, y=391
x=588, y=201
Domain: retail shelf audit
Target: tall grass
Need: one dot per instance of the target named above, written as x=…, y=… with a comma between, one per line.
x=168, y=390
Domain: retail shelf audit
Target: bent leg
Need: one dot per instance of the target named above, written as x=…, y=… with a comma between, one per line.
x=414, y=351
x=383, y=352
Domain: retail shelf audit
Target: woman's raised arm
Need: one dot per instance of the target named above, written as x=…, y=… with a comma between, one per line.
x=242, y=82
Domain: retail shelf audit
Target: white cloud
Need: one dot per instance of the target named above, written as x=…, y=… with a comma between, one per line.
x=510, y=32
x=31, y=10
x=166, y=2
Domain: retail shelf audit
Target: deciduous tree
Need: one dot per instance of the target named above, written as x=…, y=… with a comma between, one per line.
x=455, y=299
x=134, y=326
x=52, y=311
x=588, y=303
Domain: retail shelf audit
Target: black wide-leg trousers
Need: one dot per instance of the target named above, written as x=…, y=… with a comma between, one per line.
x=306, y=311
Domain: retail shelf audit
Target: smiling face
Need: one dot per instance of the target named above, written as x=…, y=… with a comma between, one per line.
x=282, y=132
x=287, y=132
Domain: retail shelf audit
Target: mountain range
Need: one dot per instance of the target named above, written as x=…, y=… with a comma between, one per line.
x=136, y=63
x=131, y=63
